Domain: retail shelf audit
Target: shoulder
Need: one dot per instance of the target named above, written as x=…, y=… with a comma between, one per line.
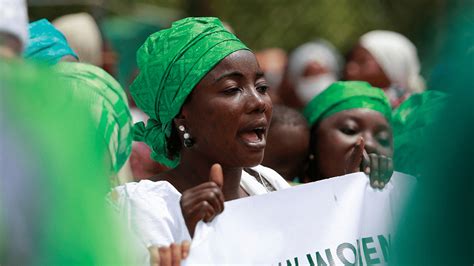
x=272, y=176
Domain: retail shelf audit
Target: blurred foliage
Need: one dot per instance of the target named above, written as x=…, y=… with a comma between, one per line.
x=285, y=23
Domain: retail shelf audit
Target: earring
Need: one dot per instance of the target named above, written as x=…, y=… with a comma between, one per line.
x=188, y=142
x=311, y=156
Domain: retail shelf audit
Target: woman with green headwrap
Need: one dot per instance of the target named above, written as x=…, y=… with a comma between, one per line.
x=350, y=132
x=209, y=112
x=108, y=104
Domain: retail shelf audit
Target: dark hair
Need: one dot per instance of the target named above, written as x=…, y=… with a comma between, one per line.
x=283, y=115
x=173, y=143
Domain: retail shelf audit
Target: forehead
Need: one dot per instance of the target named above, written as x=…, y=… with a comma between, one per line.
x=361, y=115
x=242, y=61
x=360, y=52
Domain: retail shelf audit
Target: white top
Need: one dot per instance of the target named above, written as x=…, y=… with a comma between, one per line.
x=153, y=212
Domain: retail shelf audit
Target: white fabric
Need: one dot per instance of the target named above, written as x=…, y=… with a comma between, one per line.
x=14, y=19
x=321, y=52
x=253, y=187
x=308, y=88
x=83, y=35
x=153, y=212
x=397, y=56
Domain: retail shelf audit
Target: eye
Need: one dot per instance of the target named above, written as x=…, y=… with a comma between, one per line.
x=348, y=130
x=385, y=139
x=233, y=90
x=262, y=88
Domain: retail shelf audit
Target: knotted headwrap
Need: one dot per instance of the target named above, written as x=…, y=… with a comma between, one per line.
x=345, y=95
x=108, y=104
x=397, y=56
x=172, y=62
x=46, y=43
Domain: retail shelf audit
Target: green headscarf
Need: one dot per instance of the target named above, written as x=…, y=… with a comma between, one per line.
x=413, y=122
x=46, y=43
x=108, y=104
x=345, y=95
x=172, y=62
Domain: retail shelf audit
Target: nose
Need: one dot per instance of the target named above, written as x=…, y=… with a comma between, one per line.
x=351, y=70
x=370, y=143
x=257, y=102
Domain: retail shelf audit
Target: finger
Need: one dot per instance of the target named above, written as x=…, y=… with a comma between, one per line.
x=374, y=170
x=216, y=175
x=355, y=158
x=202, y=211
x=165, y=256
x=154, y=256
x=185, y=246
x=212, y=195
x=365, y=165
x=383, y=170
x=390, y=169
x=175, y=254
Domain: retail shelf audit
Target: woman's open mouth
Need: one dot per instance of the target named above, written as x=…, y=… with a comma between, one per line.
x=253, y=137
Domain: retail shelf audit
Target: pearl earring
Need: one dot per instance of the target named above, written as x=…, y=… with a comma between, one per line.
x=188, y=142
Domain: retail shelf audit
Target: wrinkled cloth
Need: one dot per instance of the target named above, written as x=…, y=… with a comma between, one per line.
x=398, y=58
x=108, y=104
x=171, y=63
x=14, y=19
x=153, y=209
x=346, y=95
x=83, y=35
x=46, y=43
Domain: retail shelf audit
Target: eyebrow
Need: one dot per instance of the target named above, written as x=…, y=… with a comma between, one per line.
x=229, y=74
x=237, y=74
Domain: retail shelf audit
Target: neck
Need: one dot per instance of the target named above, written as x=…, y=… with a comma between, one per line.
x=193, y=170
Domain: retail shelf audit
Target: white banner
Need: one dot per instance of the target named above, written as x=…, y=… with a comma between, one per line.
x=338, y=221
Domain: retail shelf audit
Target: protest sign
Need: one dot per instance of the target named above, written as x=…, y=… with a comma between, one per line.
x=338, y=221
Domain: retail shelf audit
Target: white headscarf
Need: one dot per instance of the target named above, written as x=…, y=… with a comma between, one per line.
x=397, y=56
x=321, y=52
x=83, y=35
x=14, y=19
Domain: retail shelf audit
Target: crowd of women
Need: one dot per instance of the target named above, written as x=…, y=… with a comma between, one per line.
x=222, y=122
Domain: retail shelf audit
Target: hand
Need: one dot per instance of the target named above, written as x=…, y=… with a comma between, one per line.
x=169, y=256
x=205, y=201
x=379, y=168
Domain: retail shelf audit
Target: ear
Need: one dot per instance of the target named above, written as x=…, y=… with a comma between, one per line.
x=180, y=119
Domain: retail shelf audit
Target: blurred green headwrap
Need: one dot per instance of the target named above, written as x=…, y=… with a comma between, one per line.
x=345, y=95
x=108, y=104
x=414, y=121
x=46, y=43
x=172, y=62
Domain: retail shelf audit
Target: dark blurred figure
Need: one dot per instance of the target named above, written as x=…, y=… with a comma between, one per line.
x=287, y=143
x=13, y=28
x=386, y=60
x=312, y=67
x=143, y=166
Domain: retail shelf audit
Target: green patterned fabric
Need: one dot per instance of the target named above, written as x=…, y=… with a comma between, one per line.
x=171, y=63
x=345, y=95
x=108, y=104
